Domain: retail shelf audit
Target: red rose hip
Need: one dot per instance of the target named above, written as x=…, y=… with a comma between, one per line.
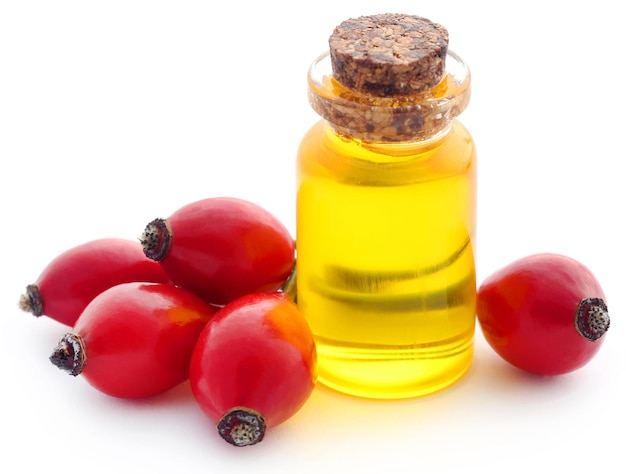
x=545, y=314
x=71, y=280
x=254, y=366
x=221, y=248
x=134, y=340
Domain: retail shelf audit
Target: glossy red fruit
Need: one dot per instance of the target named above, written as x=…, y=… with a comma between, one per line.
x=254, y=366
x=221, y=248
x=134, y=340
x=544, y=313
x=71, y=280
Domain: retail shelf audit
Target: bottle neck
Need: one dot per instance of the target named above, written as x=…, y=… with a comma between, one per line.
x=376, y=120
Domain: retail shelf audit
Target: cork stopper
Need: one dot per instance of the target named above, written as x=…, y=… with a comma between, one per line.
x=389, y=55
x=389, y=78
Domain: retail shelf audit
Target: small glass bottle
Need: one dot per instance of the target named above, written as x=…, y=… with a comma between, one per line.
x=386, y=210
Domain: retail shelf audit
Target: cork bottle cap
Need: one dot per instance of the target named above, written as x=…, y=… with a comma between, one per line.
x=389, y=55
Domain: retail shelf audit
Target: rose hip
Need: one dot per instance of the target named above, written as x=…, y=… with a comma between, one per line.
x=72, y=279
x=254, y=366
x=544, y=313
x=221, y=248
x=134, y=340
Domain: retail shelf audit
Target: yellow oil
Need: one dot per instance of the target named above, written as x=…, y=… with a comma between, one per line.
x=385, y=250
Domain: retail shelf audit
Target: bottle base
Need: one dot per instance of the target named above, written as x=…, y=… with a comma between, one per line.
x=392, y=374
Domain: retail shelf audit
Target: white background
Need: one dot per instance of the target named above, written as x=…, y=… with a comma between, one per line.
x=114, y=113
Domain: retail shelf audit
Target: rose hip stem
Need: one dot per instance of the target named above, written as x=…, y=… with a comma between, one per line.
x=592, y=318
x=69, y=355
x=156, y=239
x=242, y=426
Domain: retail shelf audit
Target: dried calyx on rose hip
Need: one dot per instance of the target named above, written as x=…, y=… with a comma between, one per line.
x=72, y=279
x=544, y=313
x=134, y=340
x=254, y=366
x=221, y=248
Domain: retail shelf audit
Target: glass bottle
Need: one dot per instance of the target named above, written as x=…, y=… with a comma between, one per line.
x=385, y=232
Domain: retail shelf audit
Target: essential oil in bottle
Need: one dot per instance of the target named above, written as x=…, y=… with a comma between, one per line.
x=386, y=204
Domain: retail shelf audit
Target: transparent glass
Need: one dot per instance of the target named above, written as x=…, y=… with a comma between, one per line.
x=385, y=229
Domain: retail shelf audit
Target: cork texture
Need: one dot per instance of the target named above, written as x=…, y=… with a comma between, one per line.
x=389, y=55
